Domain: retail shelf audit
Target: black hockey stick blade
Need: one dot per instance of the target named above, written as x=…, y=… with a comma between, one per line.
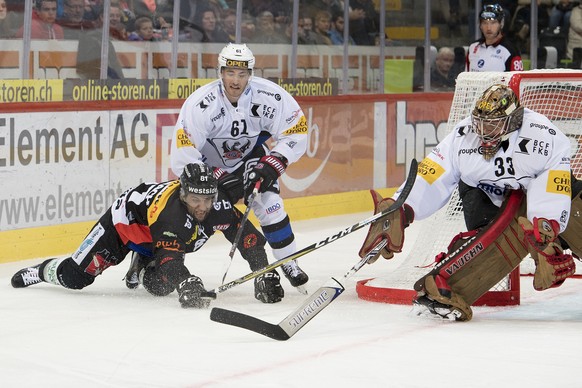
x=288, y=326
x=244, y=321
x=410, y=179
x=293, y=322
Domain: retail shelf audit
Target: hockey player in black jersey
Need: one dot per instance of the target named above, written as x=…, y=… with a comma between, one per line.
x=160, y=223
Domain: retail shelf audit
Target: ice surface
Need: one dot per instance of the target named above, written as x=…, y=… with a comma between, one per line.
x=110, y=336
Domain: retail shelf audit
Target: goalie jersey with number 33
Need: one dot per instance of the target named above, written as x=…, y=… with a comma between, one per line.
x=535, y=158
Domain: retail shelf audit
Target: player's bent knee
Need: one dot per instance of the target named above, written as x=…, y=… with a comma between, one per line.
x=72, y=276
x=155, y=283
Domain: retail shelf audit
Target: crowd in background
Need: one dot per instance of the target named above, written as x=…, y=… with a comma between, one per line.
x=320, y=22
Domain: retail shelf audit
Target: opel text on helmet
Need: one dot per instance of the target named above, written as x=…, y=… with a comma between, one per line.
x=236, y=56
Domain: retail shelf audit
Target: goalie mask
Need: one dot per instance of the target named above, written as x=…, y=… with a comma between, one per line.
x=496, y=114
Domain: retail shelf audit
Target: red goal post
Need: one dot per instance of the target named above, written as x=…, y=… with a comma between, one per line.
x=556, y=93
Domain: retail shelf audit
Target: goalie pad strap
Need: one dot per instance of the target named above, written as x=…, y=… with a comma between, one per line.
x=574, y=229
x=480, y=261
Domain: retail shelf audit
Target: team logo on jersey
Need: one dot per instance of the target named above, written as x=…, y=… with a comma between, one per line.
x=255, y=110
x=218, y=116
x=99, y=263
x=480, y=63
x=293, y=116
x=430, y=170
x=559, y=182
x=182, y=139
x=250, y=240
x=491, y=189
x=236, y=149
x=173, y=245
x=277, y=96
x=298, y=129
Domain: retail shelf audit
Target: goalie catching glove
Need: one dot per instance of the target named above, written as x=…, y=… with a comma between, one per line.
x=192, y=294
x=552, y=265
x=390, y=227
x=267, y=170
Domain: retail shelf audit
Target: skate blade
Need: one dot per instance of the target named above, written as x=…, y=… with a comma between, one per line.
x=422, y=311
x=302, y=289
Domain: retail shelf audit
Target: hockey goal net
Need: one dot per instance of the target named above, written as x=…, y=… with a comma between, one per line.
x=557, y=94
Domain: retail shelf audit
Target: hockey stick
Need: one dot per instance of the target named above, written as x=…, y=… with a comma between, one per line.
x=328, y=240
x=293, y=322
x=242, y=223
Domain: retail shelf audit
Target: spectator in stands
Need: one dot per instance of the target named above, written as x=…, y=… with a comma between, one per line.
x=144, y=31
x=493, y=51
x=229, y=24
x=211, y=30
x=117, y=29
x=73, y=20
x=364, y=22
x=336, y=34
x=247, y=28
x=44, y=19
x=560, y=14
x=266, y=31
x=575, y=31
x=441, y=76
x=305, y=30
x=8, y=22
x=311, y=7
x=521, y=24
x=89, y=52
x=321, y=27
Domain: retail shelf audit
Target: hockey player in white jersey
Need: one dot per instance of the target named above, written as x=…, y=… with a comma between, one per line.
x=504, y=150
x=226, y=124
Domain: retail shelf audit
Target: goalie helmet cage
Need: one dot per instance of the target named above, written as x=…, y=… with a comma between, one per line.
x=555, y=93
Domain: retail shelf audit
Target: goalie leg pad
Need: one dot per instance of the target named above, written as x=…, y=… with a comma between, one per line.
x=475, y=263
x=574, y=229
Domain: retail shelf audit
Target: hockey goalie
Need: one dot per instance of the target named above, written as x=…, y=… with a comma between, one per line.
x=512, y=167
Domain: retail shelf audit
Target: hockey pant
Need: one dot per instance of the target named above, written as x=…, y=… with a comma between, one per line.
x=100, y=249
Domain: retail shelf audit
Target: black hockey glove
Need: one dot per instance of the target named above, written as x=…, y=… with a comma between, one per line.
x=268, y=170
x=229, y=184
x=192, y=294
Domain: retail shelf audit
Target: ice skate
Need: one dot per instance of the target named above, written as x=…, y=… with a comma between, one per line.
x=26, y=277
x=295, y=275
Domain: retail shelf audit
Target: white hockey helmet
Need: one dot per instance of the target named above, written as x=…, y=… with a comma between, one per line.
x=237, y=56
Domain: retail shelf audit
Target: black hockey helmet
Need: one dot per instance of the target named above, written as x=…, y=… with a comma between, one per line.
x=197, y=178
x=492, y=12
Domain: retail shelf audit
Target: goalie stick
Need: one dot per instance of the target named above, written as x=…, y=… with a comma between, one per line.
x=239, y=232
x=293, y=322
x=395, y=206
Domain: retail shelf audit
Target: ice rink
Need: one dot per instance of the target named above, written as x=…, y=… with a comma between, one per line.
x=110, y=336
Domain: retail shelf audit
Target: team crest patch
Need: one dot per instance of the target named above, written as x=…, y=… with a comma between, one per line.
x=430, y=170
x=559, y=182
